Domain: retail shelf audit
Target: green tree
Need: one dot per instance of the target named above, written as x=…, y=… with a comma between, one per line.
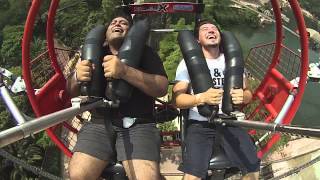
x=167, y=126
x=76, y=18
x=225, y=14
x=4, y=5
x=13, y=12
x=11, y=46
x=311, y=5
x=25, y=150
x=70, y=21
x=94, y=4
x=169, y=50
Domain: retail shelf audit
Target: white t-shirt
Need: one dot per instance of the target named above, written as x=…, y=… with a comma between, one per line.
x=216, y=67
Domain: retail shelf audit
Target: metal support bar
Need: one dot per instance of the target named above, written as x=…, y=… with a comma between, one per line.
x=36, y=125
x=167, y=30
x=4, y=93
x=302, y=131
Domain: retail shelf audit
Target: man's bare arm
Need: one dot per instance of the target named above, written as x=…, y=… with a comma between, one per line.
x=151, y=84
x=247, y=94
x=82, y=73
x=183, y=100
x=73, y=87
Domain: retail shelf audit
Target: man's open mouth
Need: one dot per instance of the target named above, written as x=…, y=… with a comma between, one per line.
x=119, y=30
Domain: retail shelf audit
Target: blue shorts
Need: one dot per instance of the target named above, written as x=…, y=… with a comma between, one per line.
x=198, y=149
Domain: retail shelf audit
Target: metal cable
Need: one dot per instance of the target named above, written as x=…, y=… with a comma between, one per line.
x=297, y=169
x=33, y=169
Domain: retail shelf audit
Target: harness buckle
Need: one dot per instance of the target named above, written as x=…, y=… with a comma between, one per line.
x=128, y=121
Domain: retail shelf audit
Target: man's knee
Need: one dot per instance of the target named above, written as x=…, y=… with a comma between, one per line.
x=83, y=167
x=251, y=176
x=142, y=169
x=190, y=177
x=77, y=174
x=81, y=173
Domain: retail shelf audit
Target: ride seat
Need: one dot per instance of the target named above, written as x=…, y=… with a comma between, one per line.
x=114, y=171
x=220, y=167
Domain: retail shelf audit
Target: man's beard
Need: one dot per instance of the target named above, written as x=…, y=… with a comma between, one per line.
x=212, y=46
x=116, y=42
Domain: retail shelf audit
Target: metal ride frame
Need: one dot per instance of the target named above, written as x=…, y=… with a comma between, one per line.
x=53, y=92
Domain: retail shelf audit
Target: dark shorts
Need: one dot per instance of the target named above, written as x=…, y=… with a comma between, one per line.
x=198, y=149
x=140, y=141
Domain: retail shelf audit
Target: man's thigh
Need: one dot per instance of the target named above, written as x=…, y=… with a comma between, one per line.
x=142, y=169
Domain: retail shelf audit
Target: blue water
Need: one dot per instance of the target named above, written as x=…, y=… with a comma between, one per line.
x=249, y=37
x=309, y=111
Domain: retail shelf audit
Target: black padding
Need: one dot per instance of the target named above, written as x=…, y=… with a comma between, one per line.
x=233, y=76
x=92, y=50
x=197, y=68
x=130, y=53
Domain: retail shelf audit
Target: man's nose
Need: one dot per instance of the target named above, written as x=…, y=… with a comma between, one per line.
x=211, y=31
x=117, y=23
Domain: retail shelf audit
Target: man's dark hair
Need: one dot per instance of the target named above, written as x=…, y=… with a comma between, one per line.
x=123, y=14
x=200, y=23
x=206, y=21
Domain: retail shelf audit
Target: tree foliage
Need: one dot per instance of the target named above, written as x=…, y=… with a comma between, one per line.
x=70, y=20
x=311, y=5
x=26, y=150
x=234, y=15
x=4, y=5
x=13, y=12
x=11, y=46
x=169, y=50
x=167, y=126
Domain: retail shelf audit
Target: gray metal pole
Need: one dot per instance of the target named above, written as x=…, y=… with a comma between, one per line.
x=296, y=130
x=26, y=129
x=167, y=30
x=11, y=106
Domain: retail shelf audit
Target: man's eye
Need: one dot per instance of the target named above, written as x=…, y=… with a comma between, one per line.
x=124, y=23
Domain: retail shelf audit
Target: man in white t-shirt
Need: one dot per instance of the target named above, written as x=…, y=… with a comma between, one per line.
x=200, y=133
